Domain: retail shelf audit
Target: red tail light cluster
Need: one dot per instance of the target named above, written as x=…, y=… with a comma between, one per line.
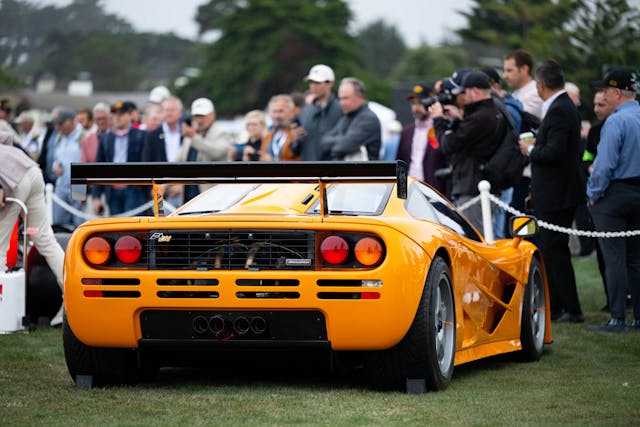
x=348, y=250
x=104, y=250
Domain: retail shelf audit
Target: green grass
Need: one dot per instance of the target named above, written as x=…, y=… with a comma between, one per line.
x=582, y=379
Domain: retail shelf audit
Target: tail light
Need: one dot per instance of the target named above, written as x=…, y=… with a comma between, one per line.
x=97, y=250
x=334, y=250
x=116, y=250
x=351, y=250
x=128, y=249
x=368, y=251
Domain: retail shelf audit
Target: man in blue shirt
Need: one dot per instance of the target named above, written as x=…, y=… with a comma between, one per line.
x=614, y=196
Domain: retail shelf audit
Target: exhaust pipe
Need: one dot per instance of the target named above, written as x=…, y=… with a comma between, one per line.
x=241, y=325
x=199, y=324
x=216, y=324
x=258, y=325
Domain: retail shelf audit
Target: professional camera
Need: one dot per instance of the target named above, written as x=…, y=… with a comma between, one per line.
x=444, y=98
x=187, y=119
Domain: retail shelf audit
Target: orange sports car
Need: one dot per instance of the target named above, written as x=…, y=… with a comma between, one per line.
x=355, y=259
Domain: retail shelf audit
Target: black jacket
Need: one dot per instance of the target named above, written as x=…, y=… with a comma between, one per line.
x=317, y=122
x=470, y=143
x=557, y=180
x=359, y=127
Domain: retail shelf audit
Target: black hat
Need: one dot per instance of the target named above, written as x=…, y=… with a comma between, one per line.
x=5, y=105
x=494, y=77
x=619, y=79
x=123, y=107
x=420, y=91
x=454, y=83
x=476, y=79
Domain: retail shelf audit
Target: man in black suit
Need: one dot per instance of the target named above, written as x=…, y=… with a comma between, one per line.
x=121, y=144
x=557, y=186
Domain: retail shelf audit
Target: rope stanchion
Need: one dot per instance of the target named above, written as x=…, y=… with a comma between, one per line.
x=571, y=231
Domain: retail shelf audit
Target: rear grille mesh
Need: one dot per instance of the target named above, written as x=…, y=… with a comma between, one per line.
x=251, y=250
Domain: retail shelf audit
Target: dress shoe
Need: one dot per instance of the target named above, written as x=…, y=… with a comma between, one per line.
x=613, y=325
x=576, y=318
x=568, y=318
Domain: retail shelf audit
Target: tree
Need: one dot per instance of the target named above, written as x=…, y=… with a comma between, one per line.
x=82, y=37
x=534, y=25
x=601, y=32
x=380, y=48
x=24, y=26
x=429, y=63
x=115, y=61
x=266, y=47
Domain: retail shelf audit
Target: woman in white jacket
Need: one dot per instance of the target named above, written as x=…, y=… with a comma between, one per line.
x=21, y=178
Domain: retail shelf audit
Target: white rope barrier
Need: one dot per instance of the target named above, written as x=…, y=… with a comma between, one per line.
x=553, y=227
x=87, y=216
x=572, y=231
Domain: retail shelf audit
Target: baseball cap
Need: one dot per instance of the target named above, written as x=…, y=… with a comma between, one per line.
x=25, y=116
x=123, y=107
x=159, y=94
x=476, y=79
x=420, y=91
x=202, y=107
x=320, y=73
x=64, y=114
x=494, y=77
x=454, y=84
x=619, y=79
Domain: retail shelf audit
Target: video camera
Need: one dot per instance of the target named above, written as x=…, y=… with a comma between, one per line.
x=445, y=98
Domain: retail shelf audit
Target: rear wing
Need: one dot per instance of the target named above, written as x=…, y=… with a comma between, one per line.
x=159, y=174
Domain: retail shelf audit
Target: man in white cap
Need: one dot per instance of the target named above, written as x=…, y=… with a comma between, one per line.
x=211, y=142
x=321, y=115
x=159, y=94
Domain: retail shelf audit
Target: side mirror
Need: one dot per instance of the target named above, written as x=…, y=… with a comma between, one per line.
x=523, y=226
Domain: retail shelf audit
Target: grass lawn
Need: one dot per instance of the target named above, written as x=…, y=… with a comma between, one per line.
x=582, y=379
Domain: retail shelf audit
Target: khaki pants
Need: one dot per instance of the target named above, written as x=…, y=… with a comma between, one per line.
x=31, y=191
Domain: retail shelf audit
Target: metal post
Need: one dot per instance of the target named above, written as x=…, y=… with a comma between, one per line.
x=485, y=203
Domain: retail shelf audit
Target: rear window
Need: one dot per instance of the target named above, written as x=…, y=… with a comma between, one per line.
x=219, y=198
x=355, y=199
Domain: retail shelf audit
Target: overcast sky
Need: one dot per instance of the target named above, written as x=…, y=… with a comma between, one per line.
x=416, y=20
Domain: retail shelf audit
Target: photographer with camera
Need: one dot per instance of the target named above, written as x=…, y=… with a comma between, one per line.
x=418, y=146
x=469, y=136
x=200, y=132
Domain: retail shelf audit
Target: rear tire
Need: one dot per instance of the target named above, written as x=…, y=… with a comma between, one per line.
x=106, y=366
x=534, y=320
x=428, y=349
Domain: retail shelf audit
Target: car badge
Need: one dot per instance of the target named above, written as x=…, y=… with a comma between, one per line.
x=297, y=261
x=160, y=237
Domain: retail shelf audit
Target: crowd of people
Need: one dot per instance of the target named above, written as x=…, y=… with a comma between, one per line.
x=459, y=122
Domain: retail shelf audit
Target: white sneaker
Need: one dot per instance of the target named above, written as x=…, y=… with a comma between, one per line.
x=57, y=319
